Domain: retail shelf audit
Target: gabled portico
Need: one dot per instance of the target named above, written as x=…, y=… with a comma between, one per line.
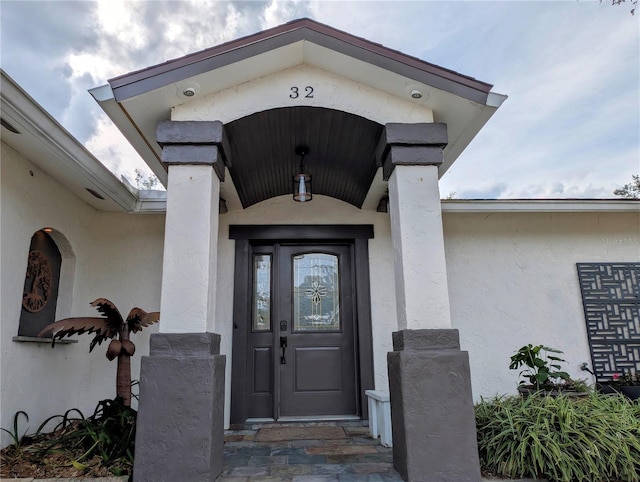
x=374, y=120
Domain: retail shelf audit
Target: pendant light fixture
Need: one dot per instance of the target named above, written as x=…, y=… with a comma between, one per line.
x=302, y=180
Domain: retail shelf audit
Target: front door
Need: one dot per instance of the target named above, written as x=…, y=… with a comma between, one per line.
x=301, y=345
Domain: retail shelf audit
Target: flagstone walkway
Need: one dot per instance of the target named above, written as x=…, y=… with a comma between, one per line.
x=306, y=452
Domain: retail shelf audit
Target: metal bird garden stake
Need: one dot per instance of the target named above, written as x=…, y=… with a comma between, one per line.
x=111, y=325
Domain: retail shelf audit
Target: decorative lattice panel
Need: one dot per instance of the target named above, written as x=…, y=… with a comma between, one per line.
x=611, y=300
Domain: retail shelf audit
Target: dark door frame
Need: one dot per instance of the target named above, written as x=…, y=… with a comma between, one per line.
x=247, y=235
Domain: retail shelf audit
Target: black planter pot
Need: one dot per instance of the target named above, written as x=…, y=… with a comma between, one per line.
x=632, y=392
x=607, y=388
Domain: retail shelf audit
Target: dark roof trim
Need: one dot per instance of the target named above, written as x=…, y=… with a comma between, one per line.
x=301, y=231
x=548, y=199
x=141, y=81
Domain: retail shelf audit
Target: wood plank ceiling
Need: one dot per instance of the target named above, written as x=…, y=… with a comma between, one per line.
x=340, y=160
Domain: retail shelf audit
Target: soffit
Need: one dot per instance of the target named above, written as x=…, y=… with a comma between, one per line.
x=45, y=143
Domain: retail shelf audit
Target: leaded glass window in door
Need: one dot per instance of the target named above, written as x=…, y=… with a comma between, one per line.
x=261, y=292
x=316, y=292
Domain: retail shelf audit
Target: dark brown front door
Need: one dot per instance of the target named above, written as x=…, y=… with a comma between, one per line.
x=317, y=368
x=301, y=355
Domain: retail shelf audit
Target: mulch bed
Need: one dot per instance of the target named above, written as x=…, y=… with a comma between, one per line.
x=32, y=459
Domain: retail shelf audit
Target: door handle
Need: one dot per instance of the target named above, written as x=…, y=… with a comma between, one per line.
x=283, y=347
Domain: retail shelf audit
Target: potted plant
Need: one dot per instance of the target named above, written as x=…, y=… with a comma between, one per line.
x=609, y=387
x=542, y=372
x=628, y=384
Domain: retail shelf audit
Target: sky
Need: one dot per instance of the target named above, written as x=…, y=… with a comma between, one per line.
x=571, y=69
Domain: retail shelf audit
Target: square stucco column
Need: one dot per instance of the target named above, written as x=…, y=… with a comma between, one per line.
x=433, y=422
x=410, y=155
x=190, y=256
x=194, y=152
x=180, y=432
x=422, y=293
x=432, y=417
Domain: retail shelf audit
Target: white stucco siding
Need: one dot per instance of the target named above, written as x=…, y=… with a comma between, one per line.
x=315, y=88
x=511, y=276
x=190, y=258
x=513, y=281
x=420, y=269
x=117, y=256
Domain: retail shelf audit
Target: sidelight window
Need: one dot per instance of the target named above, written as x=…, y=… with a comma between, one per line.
x=261, y=292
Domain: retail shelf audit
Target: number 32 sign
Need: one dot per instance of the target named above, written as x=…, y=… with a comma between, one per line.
x=307, y=94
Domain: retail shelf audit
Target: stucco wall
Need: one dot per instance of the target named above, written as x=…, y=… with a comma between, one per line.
x=513, y=281
x=117, y=256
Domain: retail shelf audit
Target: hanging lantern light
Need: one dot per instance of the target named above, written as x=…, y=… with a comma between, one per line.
x=302, y=180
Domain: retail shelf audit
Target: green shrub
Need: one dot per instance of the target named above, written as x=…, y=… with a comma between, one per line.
x=542, y=369
x=591, y=439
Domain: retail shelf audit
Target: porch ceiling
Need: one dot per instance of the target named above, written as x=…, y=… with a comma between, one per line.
x=340, y=160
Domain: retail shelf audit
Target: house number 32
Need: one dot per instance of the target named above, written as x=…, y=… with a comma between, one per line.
x=307, y=94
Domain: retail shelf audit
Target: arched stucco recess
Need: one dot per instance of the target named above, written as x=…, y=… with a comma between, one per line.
x=330, y=91
x=67, y=274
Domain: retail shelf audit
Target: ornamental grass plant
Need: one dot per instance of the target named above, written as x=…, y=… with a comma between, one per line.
x=593, y=439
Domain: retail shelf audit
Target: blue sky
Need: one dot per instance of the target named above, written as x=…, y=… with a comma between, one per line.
x=571, y=69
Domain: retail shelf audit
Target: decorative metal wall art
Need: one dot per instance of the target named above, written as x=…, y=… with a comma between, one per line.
x=611, y=301
x=113, y=326
x=39, y=279
x=40, y=287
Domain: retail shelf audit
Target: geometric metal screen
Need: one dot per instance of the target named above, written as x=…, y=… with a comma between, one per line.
x=611, y=301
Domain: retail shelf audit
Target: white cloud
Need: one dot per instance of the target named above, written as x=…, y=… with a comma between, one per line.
x=571, y=69
x=109, y=145
x=279, y=12
x=572, y=116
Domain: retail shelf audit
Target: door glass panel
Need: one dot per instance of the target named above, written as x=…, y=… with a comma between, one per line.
x=316, y=293
x=261, y=292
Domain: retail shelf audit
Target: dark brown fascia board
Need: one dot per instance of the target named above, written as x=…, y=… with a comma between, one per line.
x=301, y=231
x=151, y=78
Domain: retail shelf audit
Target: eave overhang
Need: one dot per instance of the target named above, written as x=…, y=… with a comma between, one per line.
x=170, y=72
x=493, y=206
x=48, y=145
x=138, y=101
